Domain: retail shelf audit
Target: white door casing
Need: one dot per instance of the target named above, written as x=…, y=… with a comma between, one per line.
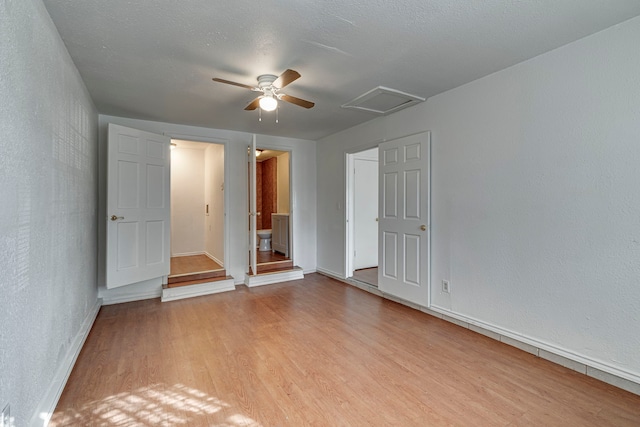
x=365, y=212
x=404, y=227
x=253, y=243
x=138, y=208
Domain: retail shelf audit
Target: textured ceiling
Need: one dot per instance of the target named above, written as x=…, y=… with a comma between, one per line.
x=154, y=60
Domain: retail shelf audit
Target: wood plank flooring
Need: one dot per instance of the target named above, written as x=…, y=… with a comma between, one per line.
x=317, y=352
x=192, y=264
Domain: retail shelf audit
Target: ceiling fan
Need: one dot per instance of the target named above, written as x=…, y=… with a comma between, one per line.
x=270, y=86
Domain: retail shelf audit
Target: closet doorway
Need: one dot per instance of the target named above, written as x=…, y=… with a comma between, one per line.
x=362, y=193
x=197, y=213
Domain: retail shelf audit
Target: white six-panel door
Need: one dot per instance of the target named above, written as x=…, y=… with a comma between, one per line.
x=138, y=208
x=403, y=233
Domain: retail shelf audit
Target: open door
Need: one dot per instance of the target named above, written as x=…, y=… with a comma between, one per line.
x=138, y=208
x=253, y=257
x=403, y=237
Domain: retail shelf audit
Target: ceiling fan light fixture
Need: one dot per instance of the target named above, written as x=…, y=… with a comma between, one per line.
x=268, y=103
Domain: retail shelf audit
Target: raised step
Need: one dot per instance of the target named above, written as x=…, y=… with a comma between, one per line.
x=199, y=275
x=274, y=276
x=274, y=266
x=198, y=288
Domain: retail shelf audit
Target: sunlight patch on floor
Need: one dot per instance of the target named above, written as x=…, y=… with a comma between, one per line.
x=158, y=405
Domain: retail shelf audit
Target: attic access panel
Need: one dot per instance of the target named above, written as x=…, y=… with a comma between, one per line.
x=383, y=100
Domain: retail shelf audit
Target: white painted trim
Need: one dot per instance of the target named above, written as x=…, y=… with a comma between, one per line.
x=275, y=277
x=330, y=273
x=190, y=291
x=129, y=297
x=214, y=259
x=48, y=404
x=609, y=374
x=187, y=254
x=536, y=347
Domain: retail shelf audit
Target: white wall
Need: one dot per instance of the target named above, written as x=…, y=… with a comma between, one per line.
x=283, y=183
x=48, y=223
x=187, y=201
x=534, y=198
x=214, y=197
x=303, y=192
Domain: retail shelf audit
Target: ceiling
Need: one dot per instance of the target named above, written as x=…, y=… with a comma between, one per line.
x=154, y=60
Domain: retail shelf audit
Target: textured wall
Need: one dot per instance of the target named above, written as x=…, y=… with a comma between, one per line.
x=283, y=184
x=534, y=197
x=269, y=191
x=48, y=205
x=259, y=208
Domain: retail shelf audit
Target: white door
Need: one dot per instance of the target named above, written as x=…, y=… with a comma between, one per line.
x=253, y=243
x=365, y=213
x=138, y=208
x=403, y=236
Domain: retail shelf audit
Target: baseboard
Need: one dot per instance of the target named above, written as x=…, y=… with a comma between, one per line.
x=330, y=273
x=609, y=374
x=625, y=380
x=132, y=296
x=188, y=254
x=214, y=259
x=190, y=291
x=275, y=277
x=49, y=402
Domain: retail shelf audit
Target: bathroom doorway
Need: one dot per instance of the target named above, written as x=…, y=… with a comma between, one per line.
x=273, y=231
x=362, y=230
x=197, y=213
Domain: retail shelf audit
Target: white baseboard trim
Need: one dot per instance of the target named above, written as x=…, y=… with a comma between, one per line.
x=332, y=274
x=610, y=374
x=188, y=254
x=214, y=259
x=48, y=404
x=130, y=297
x=625, y=380
x=275, y=277
x=190, y=291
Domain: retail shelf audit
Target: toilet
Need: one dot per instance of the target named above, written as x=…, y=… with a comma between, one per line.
x=265, y=240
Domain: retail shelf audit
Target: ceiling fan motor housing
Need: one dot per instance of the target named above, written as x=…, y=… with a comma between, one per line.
x=266, y=80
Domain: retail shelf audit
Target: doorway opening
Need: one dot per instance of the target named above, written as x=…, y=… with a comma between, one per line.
x=273, y=211
x=197, y=213
x=362, y=230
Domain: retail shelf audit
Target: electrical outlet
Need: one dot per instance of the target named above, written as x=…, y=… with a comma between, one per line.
x=5, y=417
x=445, y=287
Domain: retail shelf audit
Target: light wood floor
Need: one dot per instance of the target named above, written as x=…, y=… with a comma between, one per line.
x=193, y=264
x=269, y=256
x=317, y=352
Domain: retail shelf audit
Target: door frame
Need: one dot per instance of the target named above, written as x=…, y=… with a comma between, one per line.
x=349, y=203
x=292, y=200
x=225, y=144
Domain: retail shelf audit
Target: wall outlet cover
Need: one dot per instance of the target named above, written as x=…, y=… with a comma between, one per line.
x=445, y=287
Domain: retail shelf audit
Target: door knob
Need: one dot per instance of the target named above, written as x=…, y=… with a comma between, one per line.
x=423, y=227
x=115, y=218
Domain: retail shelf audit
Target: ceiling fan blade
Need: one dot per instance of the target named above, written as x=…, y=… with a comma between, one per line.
x=286, y=78
x=297, y=101
x=253, y=104
x=215, y=79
